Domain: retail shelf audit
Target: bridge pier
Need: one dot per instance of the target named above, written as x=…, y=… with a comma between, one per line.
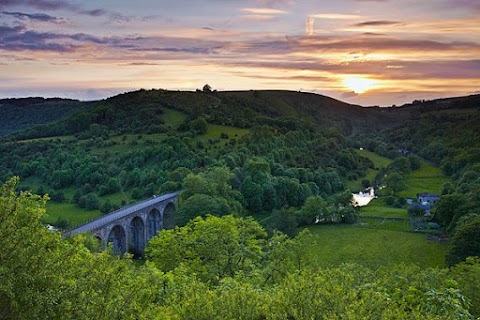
x=130, y=228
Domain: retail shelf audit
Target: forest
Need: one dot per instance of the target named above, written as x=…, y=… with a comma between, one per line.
x=257, y=168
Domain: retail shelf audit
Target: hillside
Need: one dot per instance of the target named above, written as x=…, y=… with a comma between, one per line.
x=19, y=114
x=115, y=151
x=141, y=111
x=255, y=167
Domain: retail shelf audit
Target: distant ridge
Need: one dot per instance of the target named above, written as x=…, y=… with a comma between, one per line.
x=22, y=113
x=237, y=108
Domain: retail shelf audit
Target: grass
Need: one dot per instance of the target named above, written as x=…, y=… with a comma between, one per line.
x=371, y=223
x=173, y=118
x=213, y=135
x=378, y=208
x=376, y=242
x=426, y=179
x=62, y=138
x=214, y=131
x=378, y=162
x=68, y=211
x=373, y=247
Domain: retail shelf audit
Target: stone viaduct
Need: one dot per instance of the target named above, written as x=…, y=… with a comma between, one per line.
x=131, y=227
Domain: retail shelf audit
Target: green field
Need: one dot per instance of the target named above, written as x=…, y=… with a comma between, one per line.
x=68, y=211
x=378, y=208
x=375, y=242
x=373, y=247
x=378, y=162
x=215, y=130
x=426, y=179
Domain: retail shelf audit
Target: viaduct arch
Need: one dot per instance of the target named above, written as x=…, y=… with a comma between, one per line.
x=130, y=228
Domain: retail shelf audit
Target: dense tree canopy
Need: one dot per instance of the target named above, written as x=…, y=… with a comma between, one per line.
x=218, y=268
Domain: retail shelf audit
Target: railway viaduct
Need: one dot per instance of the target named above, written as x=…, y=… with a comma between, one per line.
x=131, y=227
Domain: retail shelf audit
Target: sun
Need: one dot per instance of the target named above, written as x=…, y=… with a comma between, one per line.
x=358, y=84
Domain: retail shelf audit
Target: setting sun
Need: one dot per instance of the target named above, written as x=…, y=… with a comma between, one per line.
x=359, y=85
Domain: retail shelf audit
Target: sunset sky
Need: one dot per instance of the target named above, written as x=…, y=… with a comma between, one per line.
x=368, y=52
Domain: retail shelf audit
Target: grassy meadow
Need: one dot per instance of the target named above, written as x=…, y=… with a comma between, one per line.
x=372, y=246
x=378, y=208
x=426, y=179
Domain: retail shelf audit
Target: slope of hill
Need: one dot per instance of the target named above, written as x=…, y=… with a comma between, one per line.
x=19, y=114
x=285, y=158
x=141, y=111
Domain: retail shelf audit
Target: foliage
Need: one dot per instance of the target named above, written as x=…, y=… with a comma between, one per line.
x=465, y=241
x=467, y=274
x=314, y=208
x=241, y=274
x=19, y=114
x=212, y=248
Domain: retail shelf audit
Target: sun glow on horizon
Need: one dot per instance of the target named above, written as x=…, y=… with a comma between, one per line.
x=359, y=84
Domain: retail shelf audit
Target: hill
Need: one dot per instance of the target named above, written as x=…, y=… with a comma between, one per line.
x=20, y=114
x=141, y=111
x=281, y=159
x=252, y=152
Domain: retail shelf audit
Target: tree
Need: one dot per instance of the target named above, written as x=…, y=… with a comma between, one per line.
x=467, y=274
x=197, y=184
x=366, y=183
x=89, y=202
x=253, y=194
x=284, y=220
x=58, y=196
x=211, y=247
x=199, y=205
x=199, y=125
x=465, y=241
x=395, y=181
x=207, y=88
x=448, y=206
x=314, y=208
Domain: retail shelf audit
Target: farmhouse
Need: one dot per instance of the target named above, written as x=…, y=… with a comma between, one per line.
x=425, y=201
x=427, y=198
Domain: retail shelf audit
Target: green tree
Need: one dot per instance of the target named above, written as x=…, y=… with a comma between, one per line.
x=284, y=220
x=448, y=206
x=197, y=184
x=213, y=248
x=465, y=241
x=199, y=125
x=314, y=208
x=199, y=205
x=467, y=274
x=91, y=201
x=395, y=181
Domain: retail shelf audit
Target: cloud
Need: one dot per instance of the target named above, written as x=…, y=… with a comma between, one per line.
x=468, y=4
x=18, y=38
x=135, y=64
x=268, y=11
x=94, y=12
x=275, y=3
x=376, y=23
x=261, y=14
x=310, y=26
x=379, y=44
x=35, y=16
x=335, y=16
x=52, y=5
